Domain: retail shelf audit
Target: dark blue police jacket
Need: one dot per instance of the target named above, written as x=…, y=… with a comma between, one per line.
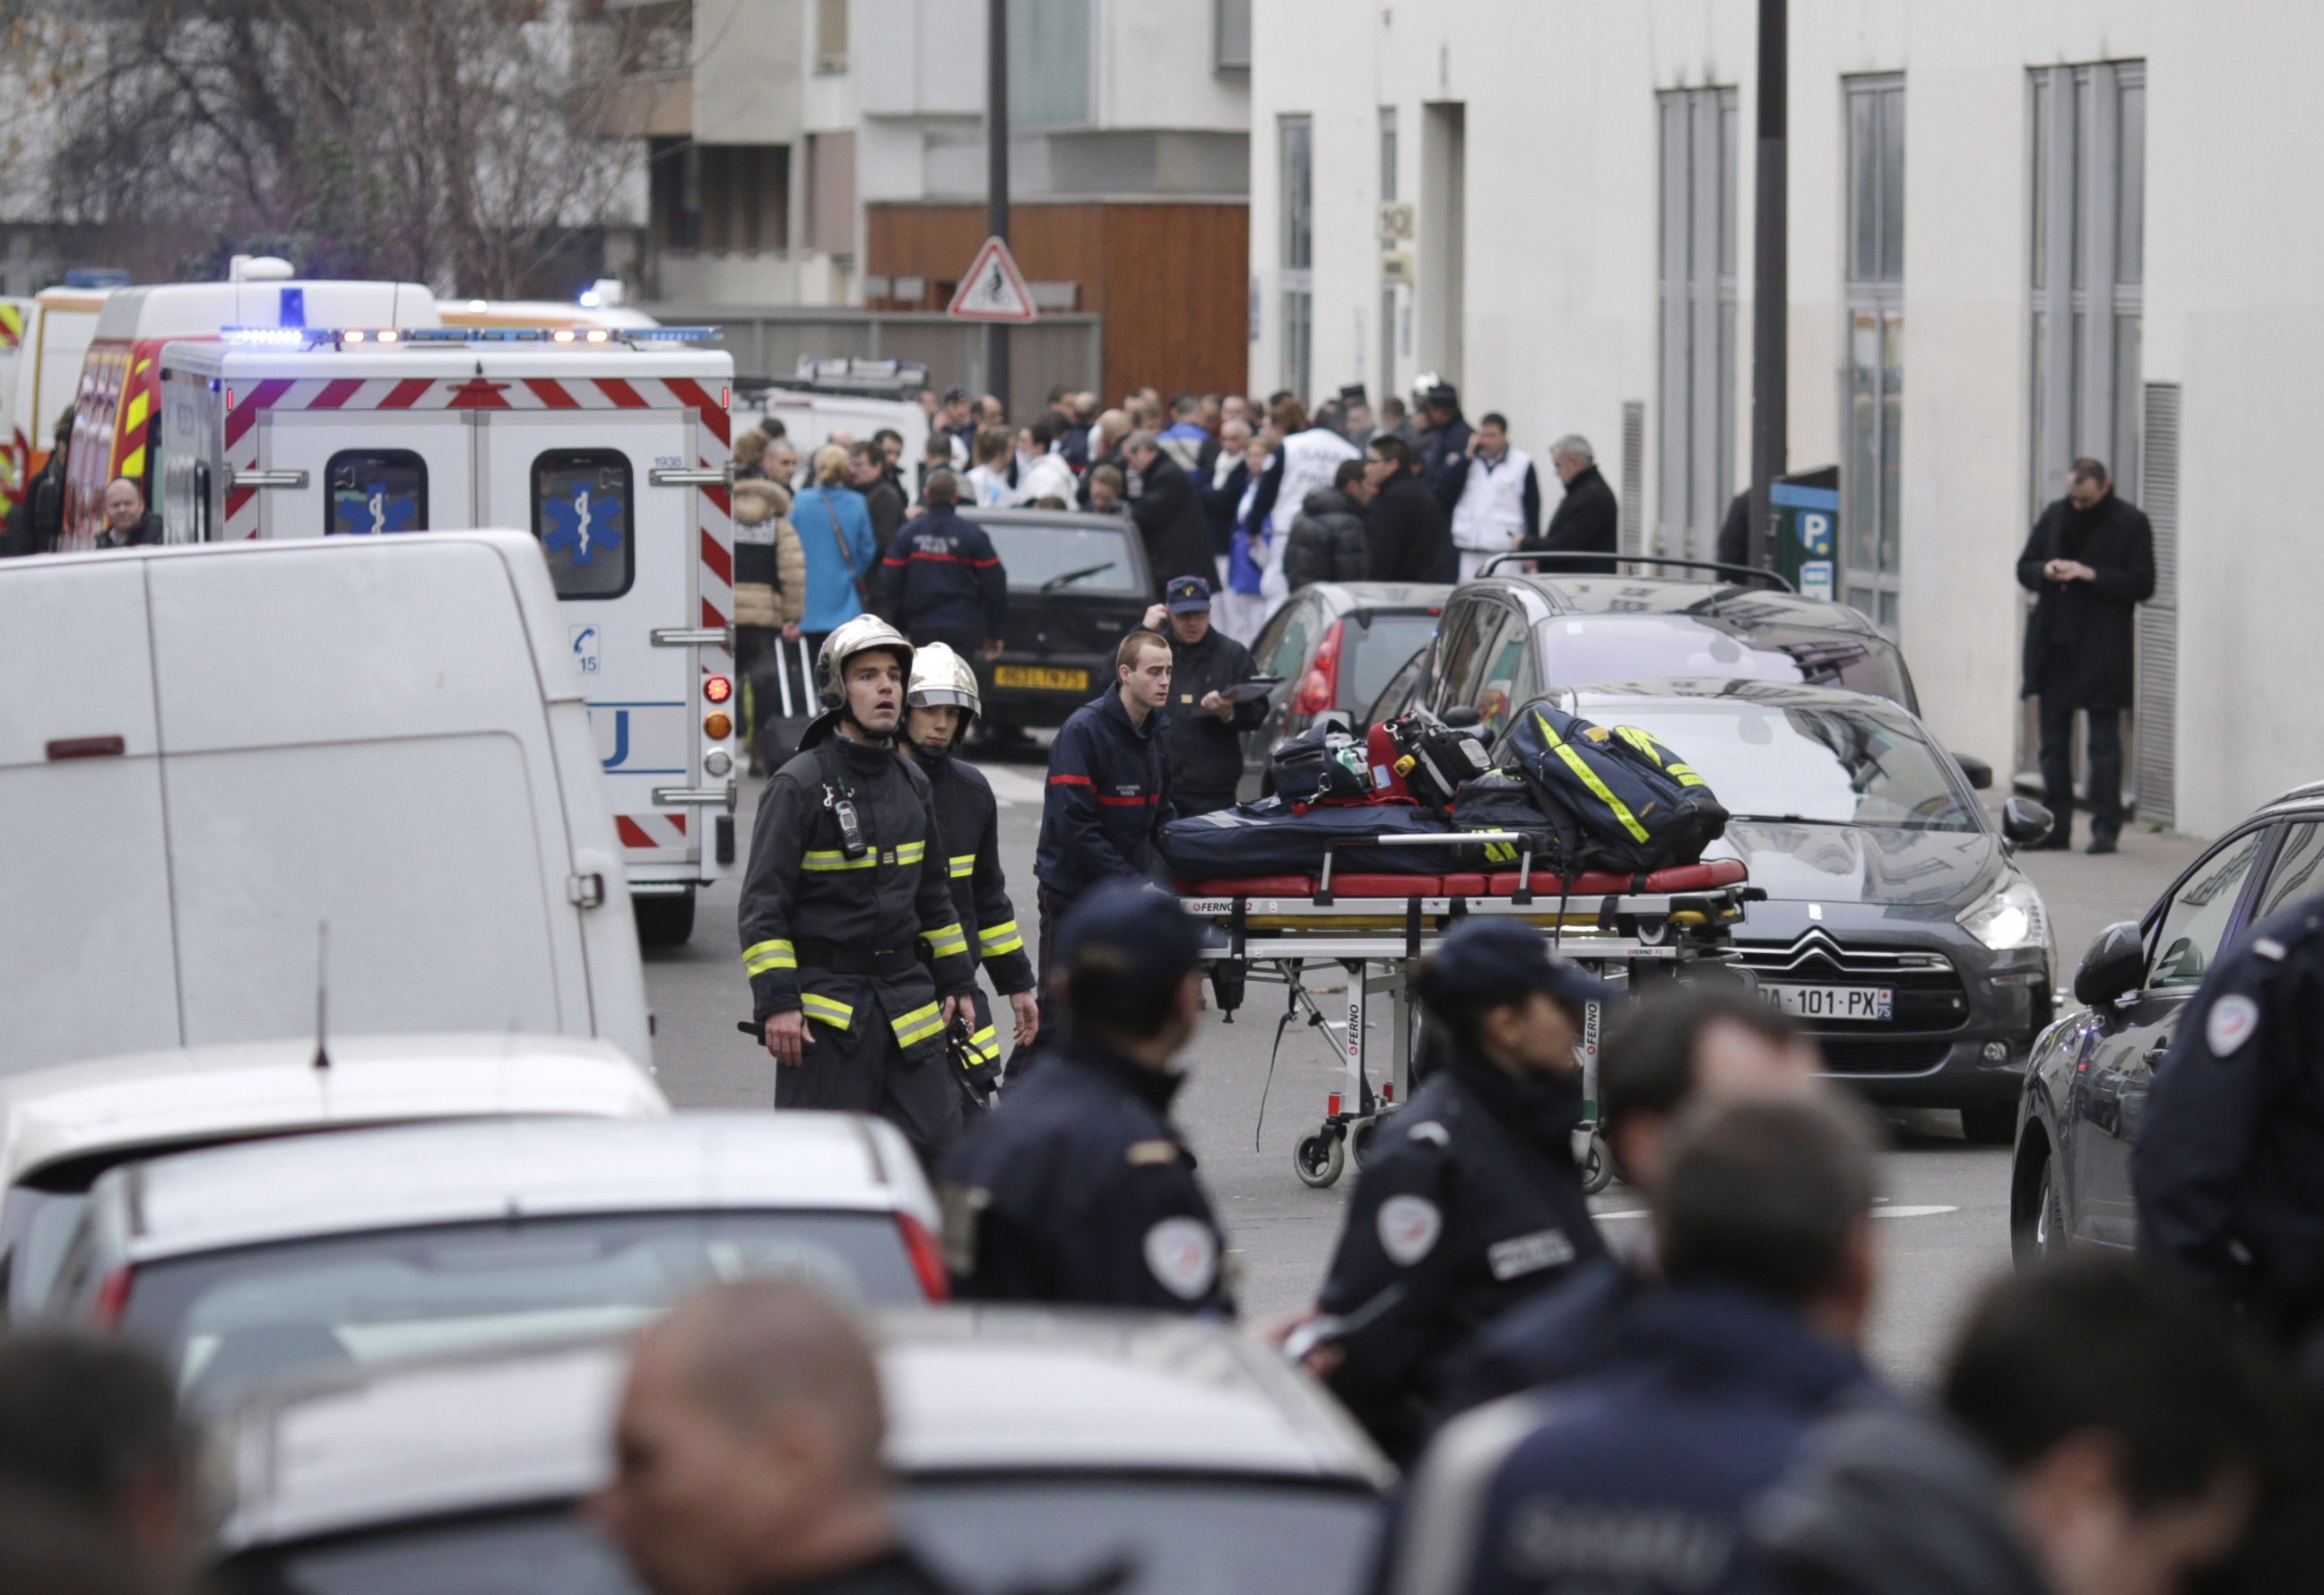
x=941, y=574
x=1108, y=798
x=1634, y=1478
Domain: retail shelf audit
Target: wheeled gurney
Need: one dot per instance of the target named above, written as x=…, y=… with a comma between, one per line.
x=1627, y=930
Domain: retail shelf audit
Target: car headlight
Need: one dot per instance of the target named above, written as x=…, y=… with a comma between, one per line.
x=2009, y=916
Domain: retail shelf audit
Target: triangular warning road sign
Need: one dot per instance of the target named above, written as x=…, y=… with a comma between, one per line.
x=993, y=289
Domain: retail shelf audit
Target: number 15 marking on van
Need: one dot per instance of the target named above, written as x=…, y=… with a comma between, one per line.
x=585, y=649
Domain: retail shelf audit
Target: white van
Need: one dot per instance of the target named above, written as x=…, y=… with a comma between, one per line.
x=207, y=755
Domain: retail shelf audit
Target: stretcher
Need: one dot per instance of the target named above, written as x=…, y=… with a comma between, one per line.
x=1629, y=930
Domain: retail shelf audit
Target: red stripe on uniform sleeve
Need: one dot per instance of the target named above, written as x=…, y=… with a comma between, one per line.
x=1070, y=781
x=1127, y=802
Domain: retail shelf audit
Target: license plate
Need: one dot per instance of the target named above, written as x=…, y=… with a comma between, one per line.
x=1832, y=1002
x=1041, y=676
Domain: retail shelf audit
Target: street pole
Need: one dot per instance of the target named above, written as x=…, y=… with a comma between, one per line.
x=1770, y=285
x=996, y=178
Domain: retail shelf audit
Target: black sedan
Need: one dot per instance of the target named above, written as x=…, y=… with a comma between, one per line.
x=1332, y=646
x=2087, y=1087
x=1077, y=584
x=1897, y=930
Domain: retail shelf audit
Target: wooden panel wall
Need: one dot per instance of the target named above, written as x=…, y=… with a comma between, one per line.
x=1170, y=280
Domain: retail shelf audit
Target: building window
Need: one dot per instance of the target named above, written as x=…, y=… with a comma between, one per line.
x=2087, y=271
x=1296, y=149
x=1231, y=35
x=1049, y=63
x=1873, y=419
x=728, y=197
x=831, y=193
x=831, y=36
x=1697, y=332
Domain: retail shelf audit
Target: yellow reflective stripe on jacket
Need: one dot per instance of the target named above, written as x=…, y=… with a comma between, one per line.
x=1004, y=938
x=833, y=859
x=831, y=1012
x=1589, y=776
x=946, y=941
x=986, y=1045
x=918, y=1025
x=910, y=852
x=761, y=956
x=963, y=864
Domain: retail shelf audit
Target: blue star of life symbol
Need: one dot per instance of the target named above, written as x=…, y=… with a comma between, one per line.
x=374, y=511
x=583, y=524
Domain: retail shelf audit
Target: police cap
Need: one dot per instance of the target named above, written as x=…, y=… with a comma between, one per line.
x=1187, y=595
x=1483, y=963
x=1130, y=935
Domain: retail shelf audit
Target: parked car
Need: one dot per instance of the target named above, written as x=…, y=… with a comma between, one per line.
x=1035, y=1449
x=62, y=1127
x=1896, y=928
x=1333, y=645
x=248, y=1262
x=2086, y=1089
x=1077, y=584
x=1508, y=637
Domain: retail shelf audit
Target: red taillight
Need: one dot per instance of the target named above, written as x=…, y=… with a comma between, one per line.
x=1321, y=687
x=112, y=1299
x=717, y=688
x=927, y=1257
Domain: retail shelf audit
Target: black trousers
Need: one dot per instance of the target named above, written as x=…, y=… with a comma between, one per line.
x=863, y=1070
x=1054, y=907
x=2105, y=772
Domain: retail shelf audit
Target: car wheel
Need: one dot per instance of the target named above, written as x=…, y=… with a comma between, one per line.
x=2048, y=1237
x=665, y=921
x=1990, y=1124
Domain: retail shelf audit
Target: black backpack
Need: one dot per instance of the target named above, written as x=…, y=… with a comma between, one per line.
x=1321, y=764
x=1434, y=758
x=1632, y=804
x=1503, y=800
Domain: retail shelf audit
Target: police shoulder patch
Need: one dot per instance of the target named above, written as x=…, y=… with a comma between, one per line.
x=2230, y=1023
x=2269, y=948
x=1183, y=1255
x=1408, y=1229
x=1144, y=1154
x=1429, y=1131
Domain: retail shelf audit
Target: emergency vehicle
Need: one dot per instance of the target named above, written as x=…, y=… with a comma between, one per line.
x=117, y=399
x=609, y=447
x=41, y=342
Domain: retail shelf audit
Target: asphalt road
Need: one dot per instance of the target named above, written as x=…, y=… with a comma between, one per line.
x=1944, y=1224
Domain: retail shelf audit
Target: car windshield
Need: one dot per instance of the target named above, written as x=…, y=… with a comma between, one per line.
x=543, y=1552
x=1396, y=698
x=1382, y=643
x=1033, y=554
x=224, y=1318
x=1578, y=649
x=1857, y=766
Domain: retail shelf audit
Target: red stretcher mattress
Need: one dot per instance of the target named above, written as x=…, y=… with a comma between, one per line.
x=1702, y=877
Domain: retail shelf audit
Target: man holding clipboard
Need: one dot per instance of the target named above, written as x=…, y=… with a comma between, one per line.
x=1207, y=716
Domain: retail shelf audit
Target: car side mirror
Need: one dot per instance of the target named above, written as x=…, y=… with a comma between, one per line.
x=2023, y=820
x=1980, y=773
x=1464, y=715
x=2115, y=963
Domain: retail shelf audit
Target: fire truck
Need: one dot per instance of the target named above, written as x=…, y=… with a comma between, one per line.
x=41, y=342
x=609, y=446
x=118, y=396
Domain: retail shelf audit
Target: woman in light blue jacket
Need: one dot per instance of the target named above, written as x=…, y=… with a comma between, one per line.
x=834, y=528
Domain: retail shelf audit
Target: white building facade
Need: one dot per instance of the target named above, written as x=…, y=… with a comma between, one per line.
x=2020, y=231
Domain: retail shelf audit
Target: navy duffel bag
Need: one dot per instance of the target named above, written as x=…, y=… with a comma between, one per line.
x=1266, y=838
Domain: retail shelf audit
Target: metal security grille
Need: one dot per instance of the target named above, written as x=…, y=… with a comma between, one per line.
x=1634, y=476
x=2156, y=760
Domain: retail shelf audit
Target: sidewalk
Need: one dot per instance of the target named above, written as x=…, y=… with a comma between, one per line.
x=2084, y=894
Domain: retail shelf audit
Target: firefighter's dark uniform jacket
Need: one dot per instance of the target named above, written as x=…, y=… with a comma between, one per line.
x=1469, y=1202
x=2229, y=1166
x=1076, y=1189
x=941, y=577
x=1108, y=799
x=1206, y=751
x=968, y=817
x=838, y=937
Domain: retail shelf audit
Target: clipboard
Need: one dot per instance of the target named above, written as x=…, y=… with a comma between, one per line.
x=1254, y=690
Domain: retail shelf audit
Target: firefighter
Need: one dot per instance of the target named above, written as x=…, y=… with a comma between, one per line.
x=1077, y=1188
x=846, y=882
x=1469, y=1202
x=941, y=704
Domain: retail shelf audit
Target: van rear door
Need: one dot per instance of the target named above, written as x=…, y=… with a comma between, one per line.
x=366, y=472
x=87, y=966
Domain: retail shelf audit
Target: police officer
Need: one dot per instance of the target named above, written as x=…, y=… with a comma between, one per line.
x=1077, y=1187
x=940, y=703
x=1469, y=1201
x=1206, y=726
x=847, y=881
x=1109, y=791
x=2229, y=1167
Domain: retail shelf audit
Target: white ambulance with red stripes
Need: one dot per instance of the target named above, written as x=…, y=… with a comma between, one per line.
x=610, y=445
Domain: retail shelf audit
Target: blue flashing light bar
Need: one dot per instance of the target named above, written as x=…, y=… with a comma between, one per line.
x=269, y=337
x=304, y=338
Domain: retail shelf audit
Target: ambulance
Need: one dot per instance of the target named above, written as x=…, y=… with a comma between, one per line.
x=610, y=446
x=41, y=342
x=116, y=400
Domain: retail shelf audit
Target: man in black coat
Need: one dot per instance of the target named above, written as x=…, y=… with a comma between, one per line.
x=1327, y=541
x=1588, y=520
x=1168, y=512
x=1445, y=456
x=2090, y=563
x=1206, y=725
x=1410, y=539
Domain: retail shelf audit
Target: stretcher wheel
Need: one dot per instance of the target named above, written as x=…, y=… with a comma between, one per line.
x=1359, y=1141
x=1318, y=1158
x=1598, y=1167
